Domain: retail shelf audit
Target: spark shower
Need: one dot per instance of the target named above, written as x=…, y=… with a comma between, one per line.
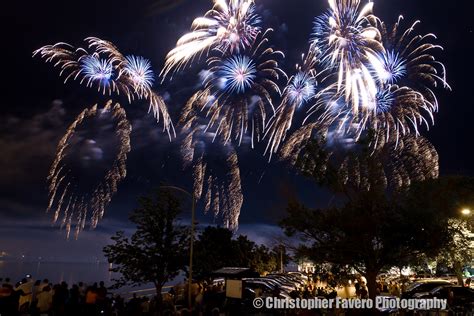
x=360, y=78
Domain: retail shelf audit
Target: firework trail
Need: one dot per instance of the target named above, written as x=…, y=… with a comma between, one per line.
x=394, y=166
x=102, y=65
x=407, y=73
x=360, y=80
x=408, y=58
x=392, y=95
x=292, y=148
x=300, y=90
x=215, y=168
x=348, y=42
x=77, y=207
x=238, y=92
x=221, y=194
x=231, y=25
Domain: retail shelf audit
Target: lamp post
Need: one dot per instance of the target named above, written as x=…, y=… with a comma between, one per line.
x=191, y=245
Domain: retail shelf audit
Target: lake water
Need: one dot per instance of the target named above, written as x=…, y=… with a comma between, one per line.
x=57, y=272
x=70, y=273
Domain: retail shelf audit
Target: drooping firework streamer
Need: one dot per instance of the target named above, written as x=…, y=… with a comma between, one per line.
x=238, y=92
x=394, y=166
x=300, y=90
x=74, y=206
x=391, y=94
x=215, y=166
x=102, y=65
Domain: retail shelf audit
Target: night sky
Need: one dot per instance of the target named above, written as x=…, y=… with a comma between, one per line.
x=37, y=108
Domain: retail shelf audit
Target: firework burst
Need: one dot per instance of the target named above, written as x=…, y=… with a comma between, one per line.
x=76, y=207
x=409, y=59
x=97, y=70
x=232, y=25
x=239, y=90
x=397, y=70
x=102, y=65
x=237, y=74
x=398, y=111
x=300, y=90
x=138, y=69
x=348, y=42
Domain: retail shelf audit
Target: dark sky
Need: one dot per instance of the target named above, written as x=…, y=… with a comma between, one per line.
x=37, y=108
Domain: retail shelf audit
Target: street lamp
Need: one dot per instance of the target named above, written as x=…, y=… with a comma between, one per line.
x=191, y=246
x=466, y=212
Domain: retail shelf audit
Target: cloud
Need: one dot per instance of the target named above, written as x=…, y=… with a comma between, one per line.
x=28, y=146
x=29, y=143
x=263, y=234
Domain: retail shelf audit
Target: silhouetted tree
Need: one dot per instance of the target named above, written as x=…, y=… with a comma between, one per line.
x=445, y=197
x=157, y=251
x=214, y=249
x=377, y=221
x=217, y=248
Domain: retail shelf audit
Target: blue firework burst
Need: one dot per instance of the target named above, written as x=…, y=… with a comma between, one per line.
x=237, y=74
x=138, y=69
x=97, y=70
x=385, y=99
x=301, y=89
x=391, y=67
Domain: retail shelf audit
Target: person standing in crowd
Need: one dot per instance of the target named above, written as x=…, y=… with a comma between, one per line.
x=44, y=284
x=35, y=291
x=133, y=306
x=25, y=288
x=60, y=297
x=73, y=302
x=44, y=301
x=91, y=299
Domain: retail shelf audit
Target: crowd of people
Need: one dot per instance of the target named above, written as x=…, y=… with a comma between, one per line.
x=43, y=298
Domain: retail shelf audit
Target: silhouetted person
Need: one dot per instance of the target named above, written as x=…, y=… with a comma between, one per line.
x=73, y=303
x=44, y=300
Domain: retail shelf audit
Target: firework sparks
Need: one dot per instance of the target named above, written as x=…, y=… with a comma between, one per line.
x=409, y=59
x=138, y=69
x=73, y=204
x=347, y=42
x=301, y=89
x=102, y=65
x=232, y=25
x=394, y=166
x=237, y=74
x=238, y=92
x=396, y=68
x=218, y=184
